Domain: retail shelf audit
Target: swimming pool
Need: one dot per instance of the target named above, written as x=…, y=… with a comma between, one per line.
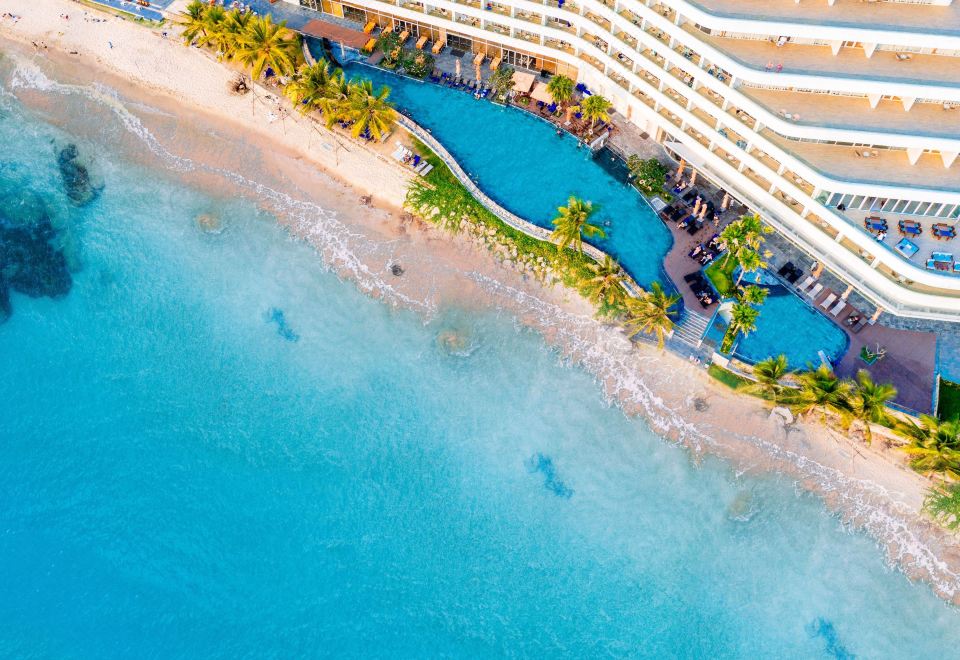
x=788, y=325
x=520, y=161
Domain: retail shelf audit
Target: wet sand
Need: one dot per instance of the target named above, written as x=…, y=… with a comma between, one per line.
x=178, y=117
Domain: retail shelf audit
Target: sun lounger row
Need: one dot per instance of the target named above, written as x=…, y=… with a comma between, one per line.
x=407, y=157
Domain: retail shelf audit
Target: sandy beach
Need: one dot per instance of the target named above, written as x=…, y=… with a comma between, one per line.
x=345, y=199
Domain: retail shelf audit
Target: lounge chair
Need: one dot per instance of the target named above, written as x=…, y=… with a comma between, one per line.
x=403, y=37
x=828, y=300
x=422, y=166
x=812, y=293
x=426, y=170
x=368, y=28
x=841, y=304
x=421, y=42
x=437, y=47
x=806, y=283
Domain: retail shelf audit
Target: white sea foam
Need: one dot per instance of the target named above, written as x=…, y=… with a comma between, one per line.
x=602, y=350
x=605, y=352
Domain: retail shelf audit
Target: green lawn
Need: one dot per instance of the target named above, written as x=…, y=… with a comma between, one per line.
x=728, y=378
x=720, y=274
x=949, y=406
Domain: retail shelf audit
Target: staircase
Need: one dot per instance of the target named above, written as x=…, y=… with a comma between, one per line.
x=691, y=327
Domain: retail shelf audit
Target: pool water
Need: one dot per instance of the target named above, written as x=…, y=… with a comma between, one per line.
x=520, y=161
x=788, y=325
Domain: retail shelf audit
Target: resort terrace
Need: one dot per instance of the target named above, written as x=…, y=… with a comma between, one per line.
x=855, y=113
x=885, y=167
x=808, y=59
x=893, y=16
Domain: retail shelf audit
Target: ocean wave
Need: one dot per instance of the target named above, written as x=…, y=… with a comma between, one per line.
x=605, y=352
x=602, y=350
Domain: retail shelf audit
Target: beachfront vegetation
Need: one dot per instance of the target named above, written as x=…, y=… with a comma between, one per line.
x=822, y=391
x=769, y=375
x=934, y=446
x=310, y=86
x=594, y=108
x=389, y=44
x=942, y=503
x=441, y=199
x=651, y=313
x=868, y=402
x=606, y=285
x=561, y=89
x=255, y=41
x=573, y=223
x=720, y=274
x=369, y=110
x=649, y=174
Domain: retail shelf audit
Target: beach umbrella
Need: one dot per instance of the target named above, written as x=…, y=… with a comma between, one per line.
x=680, y=167
x=478, y=72
x=696, y=205
x=725, y=204
x=703, y=211
x=693, y=177
x=456, y=65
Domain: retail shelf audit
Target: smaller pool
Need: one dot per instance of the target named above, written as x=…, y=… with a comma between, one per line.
x=788, y=325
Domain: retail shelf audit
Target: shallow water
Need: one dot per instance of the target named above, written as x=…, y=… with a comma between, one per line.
x=214, y=447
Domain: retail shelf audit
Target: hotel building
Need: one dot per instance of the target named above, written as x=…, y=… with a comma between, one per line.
x=814, y=113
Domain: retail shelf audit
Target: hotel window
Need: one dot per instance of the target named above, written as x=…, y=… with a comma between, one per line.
x=857, y=202
x=354, y=14
x=400, y=26
x=310, y=4
x=456, y=42
x=911, y=207
x=902, y=204
x=922, y=209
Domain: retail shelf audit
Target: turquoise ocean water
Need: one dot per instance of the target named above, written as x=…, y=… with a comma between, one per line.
x=210, y=446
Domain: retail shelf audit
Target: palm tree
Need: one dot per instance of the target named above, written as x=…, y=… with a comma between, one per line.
x=594, y=108
x=370, y=111
x=502, y=80
x=768, y=374
x=749, y=261
x=754, y=295
x=194, y=25
x=606, y=283
x=869, y=402
x=561, y=89
x=572, y=224
x=311, y=83
x=333, y=103
x=214, y=34
x=743, y=318
x=821, y=389
x=266, y=44
x=234, y=26
x=650, y=313
x=934, y=445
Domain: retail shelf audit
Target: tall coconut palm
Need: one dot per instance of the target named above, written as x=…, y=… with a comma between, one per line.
x=214, y=34
x=868, y=402
x=821, y=390
x=769, y=373
x=651, y=313
x=594, y=108
x=572, y=224
x=749, y=261
x=746, y=233
x=606, y=285
x=370, y=111
x=561, y=89
x=234, y=26
x=193, y=23
x=266, y=44
x=333, y=104
x=934, y=445
x=309, y=85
